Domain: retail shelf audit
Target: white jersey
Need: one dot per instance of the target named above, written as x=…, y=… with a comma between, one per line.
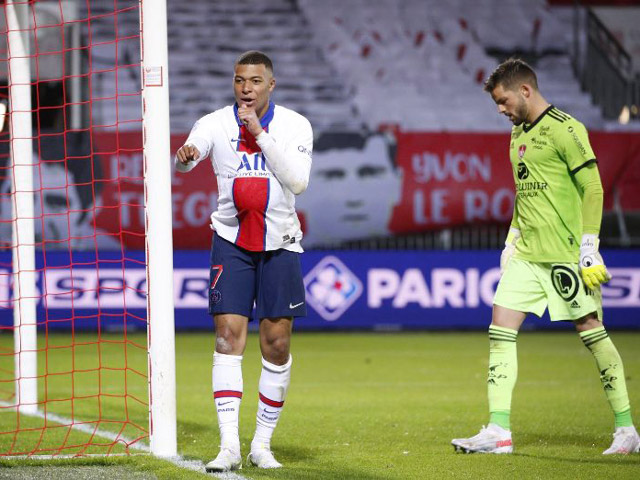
x=258, y=177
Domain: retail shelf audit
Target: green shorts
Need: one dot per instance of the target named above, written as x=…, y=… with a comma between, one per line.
x=530, y=287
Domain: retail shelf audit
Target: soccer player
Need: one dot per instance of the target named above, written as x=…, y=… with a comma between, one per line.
x=551, y=254
x=261, y=155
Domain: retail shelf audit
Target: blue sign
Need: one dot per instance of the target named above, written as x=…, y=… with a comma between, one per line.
x=345, y=290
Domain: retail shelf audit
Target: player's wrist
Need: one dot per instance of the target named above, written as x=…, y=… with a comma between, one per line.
x=512, y=236
x=589, y=242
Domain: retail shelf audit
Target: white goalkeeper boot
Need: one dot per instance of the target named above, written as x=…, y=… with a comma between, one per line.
x=226, y=461
x=262, y=457
x=491, y=439
x=625, y=440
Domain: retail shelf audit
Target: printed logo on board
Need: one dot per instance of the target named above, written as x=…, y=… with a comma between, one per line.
x=331, y=288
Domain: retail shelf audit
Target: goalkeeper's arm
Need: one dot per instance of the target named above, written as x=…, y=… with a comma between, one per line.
x=592, y=266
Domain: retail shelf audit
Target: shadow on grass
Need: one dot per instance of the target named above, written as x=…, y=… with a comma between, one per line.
x=534, y=441
x=619, y=461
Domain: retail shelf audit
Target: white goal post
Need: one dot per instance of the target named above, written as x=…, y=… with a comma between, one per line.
x=159, y=243
x=158, y=217
x=23, y=241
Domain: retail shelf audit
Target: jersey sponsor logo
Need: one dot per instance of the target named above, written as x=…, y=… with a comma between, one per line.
x=250, y=165
x=537, y=143
x=523, y=171
x=530, y=189
x=292, y=306
x=583, y=150
x=303, y=149
x=565, y=282
x=521, y=150
x=331, y=288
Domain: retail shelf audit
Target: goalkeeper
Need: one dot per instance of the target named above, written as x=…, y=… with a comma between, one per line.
x=551, y=255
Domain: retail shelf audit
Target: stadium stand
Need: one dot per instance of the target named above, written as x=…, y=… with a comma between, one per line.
x=429, y=58
x=415, y=64
x=206, y=38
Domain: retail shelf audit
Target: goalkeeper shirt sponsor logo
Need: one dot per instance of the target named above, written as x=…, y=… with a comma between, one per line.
x=523, y=171
x=583, y=150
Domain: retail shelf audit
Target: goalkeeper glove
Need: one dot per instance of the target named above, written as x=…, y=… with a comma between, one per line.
x=592, y=268
x=509, y=248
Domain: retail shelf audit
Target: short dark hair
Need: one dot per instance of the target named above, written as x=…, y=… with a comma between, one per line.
x=255, y=57
x=510, y=74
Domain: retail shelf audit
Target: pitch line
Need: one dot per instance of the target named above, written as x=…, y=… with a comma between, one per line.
x=178, y=460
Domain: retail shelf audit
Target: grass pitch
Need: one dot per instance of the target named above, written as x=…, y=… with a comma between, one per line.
x=385, y=406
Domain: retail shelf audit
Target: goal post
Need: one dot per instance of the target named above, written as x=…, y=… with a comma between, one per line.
x=86, y=250
x=159, y=244
x=23, y=238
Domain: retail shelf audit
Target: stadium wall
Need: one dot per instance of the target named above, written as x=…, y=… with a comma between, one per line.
x=345, y=290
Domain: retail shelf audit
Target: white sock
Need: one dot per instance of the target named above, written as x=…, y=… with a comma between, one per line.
x=227, y=394
x=274, y=382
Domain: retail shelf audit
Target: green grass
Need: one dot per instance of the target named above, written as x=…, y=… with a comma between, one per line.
x=385, y=406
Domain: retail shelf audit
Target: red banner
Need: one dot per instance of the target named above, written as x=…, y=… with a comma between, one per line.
x=444, y=180
x=194, y=195
x=452, y=179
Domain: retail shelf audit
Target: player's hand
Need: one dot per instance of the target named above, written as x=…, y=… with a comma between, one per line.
x=592, y=268
x=187, y=153
x=249, y=117
x=509, y=248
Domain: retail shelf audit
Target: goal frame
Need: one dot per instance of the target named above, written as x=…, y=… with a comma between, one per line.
x=158, y=220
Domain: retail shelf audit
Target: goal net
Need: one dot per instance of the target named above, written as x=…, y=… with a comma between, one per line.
x=76, y=338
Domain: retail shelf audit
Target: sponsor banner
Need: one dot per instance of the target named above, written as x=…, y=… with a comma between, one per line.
x=345, y=290
x=360, y=187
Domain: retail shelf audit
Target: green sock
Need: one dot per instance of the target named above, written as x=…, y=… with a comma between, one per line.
x=503, y=371
x=611, y=373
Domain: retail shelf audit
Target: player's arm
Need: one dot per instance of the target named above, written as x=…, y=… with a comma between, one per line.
x=588, y=179
x=196, y=148
x=291, y=164
x=592, y=267
x=573, y=142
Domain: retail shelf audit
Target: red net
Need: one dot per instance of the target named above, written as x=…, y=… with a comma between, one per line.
x=89, y=220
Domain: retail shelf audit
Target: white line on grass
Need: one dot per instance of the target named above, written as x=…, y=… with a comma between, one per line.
x=195, y=465
x=82, y=427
